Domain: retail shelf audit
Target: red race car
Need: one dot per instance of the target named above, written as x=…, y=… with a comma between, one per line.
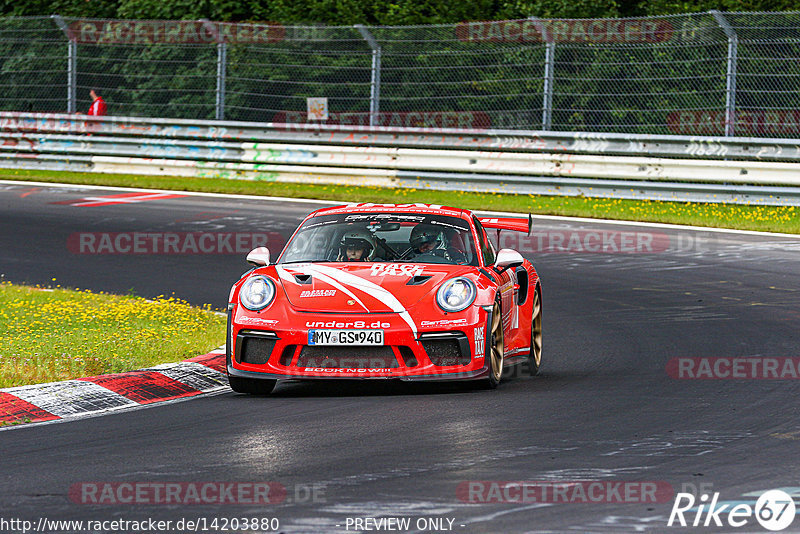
x=376, y=291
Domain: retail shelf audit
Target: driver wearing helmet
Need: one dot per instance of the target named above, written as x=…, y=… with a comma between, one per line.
x=424, y=238
x=356, y=245
x=427, y=239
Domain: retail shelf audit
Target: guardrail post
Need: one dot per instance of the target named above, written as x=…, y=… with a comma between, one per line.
x=222, y=61
x=730, y=88
x=72, y=64
x=375, y=82
x=549, y=66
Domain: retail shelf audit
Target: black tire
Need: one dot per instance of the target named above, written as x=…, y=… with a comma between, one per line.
x=496, y=348
x=535, y=359
x=252, y=385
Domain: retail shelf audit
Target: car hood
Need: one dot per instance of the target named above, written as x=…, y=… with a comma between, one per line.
x=363, y=287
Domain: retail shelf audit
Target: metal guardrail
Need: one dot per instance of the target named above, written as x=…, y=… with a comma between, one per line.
x=554, y=163
x=668, y=146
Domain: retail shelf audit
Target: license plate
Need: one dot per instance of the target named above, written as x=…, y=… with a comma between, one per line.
x=345, y=337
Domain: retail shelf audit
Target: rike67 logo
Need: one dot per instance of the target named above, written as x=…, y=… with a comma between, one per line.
x=774, y=510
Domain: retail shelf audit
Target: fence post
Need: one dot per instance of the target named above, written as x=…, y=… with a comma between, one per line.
x=375, y=82
x=72, y=64
x=222, y=61
x=547, y=105
x=549, y=66
x=730, y=88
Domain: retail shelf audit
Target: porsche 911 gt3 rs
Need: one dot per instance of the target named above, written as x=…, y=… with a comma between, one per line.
x=375, y=291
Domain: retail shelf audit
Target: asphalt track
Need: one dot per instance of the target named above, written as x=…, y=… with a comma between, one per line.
x=604, y=409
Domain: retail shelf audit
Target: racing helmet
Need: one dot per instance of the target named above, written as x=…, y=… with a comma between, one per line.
x=424, y=233
x=357, y=239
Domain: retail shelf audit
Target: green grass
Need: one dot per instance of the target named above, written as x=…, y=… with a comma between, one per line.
x=14, y=423
x=56, y=334
x=742, y=217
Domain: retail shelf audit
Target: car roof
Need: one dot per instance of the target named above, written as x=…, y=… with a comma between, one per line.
x=369, y=207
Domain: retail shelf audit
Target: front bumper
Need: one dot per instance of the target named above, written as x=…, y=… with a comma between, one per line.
x=471, y=375
x=441, y=349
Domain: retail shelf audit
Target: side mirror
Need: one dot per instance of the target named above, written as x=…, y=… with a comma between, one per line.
x=507, y=258
x=258, y=256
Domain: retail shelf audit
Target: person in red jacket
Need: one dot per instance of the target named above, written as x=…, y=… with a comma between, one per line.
x=98, y=106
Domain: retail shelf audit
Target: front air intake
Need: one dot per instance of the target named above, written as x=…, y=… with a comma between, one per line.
x=254, y=349
x=447, y=348
x=287, y=355
x=348, y=357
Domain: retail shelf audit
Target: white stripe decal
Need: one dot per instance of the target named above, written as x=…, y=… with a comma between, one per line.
x=339, y=286
x=303, y=270
x=366, y=286
x=369, y=288
x=285, y=275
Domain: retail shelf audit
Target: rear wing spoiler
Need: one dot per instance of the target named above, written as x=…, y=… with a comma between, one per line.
x=508, y=223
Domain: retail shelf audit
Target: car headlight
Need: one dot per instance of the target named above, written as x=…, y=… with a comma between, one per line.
x=257, y=293
x=456, y=294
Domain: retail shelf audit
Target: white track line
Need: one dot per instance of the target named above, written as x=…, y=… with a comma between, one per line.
x=335, y=203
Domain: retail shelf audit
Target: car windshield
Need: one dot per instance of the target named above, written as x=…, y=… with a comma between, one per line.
x=382, y=237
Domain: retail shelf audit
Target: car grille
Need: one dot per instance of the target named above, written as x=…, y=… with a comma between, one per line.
x=447, y=350
x=408, y=356
x=287, y=355
x=348, y=357
x=254, y=350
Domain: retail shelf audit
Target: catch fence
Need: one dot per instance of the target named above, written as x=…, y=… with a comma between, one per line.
x=722, y=74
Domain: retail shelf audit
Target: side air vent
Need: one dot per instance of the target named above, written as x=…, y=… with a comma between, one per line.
x=446, y=348
x=255, y=350
x=523, y=283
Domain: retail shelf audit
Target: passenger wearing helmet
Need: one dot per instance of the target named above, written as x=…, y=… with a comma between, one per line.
x=356, y=245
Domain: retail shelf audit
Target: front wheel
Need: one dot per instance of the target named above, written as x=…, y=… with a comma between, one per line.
x=251, y=385
x=535, y=358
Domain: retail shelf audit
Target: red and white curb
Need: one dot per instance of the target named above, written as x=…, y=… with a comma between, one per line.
x=99, y=394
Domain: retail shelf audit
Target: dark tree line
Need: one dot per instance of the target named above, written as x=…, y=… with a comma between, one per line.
x=375, y=12
x=663, y=75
